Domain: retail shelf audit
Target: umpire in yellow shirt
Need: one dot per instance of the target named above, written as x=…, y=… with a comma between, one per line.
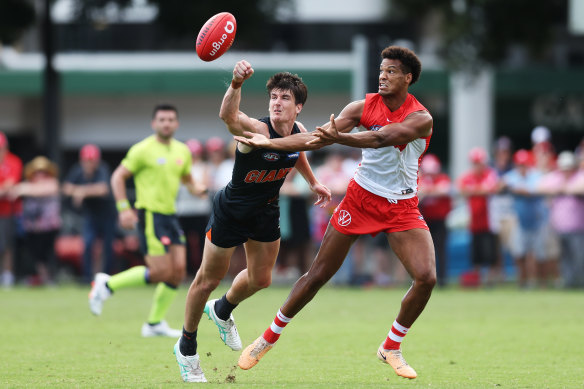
x=159, y=164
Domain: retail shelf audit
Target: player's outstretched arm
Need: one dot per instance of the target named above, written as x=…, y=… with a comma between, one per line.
x=236, y=121
x=348, y=119
x=296, y=142
x=416, y=125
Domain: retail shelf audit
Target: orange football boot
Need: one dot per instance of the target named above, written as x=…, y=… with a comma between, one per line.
x=395, y=359
x=253, y=353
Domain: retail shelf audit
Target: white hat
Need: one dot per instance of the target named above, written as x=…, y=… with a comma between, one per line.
x=540, y=134
x=566, y=160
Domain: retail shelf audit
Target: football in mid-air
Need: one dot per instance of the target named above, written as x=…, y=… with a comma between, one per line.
x=216, y=36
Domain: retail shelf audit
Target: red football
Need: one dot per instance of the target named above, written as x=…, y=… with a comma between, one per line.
x=216, y=36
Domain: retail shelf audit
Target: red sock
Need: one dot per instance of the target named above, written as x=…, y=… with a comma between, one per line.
x=395, y=336
x=273, y=332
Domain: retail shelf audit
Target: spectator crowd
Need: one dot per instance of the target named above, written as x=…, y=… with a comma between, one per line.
x=524, y=204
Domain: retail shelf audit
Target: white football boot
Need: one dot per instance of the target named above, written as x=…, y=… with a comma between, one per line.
x=227, y=329
x=190, y=366
x=160, y=329
x=99, y=293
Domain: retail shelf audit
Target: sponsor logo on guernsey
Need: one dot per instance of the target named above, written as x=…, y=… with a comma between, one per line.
x=165, y=240
x=293, y=155
x=179, y=162
x=271, y=156
x=344, y=218
x=375, y=127
x=161, y=161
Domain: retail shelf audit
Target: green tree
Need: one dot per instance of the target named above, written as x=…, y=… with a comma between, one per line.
x=186, y=17
x=16, y=16
x=478, y=32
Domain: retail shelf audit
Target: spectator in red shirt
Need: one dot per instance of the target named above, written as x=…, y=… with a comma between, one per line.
x=10, y=174
x=435, y=204
x=477, y=185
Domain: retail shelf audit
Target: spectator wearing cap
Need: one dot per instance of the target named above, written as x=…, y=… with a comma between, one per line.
x=564, y=186
x=41, y=216
x=10, y=174
x=434, y=194
x=194, y=211
x=87, y=184
x=542, y=155
x=528, y=240
x=477, y=185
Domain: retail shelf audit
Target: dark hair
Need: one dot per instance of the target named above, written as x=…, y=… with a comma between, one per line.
x=291, y=82
x=164, y=107
x=410, y=63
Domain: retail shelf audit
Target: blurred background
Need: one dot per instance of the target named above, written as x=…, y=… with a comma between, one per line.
x=74, y=72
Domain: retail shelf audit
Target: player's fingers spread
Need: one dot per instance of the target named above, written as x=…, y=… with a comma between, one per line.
x=322, y=201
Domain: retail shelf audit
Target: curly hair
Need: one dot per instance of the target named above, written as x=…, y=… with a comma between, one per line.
x=410, y=63
x=291, y=82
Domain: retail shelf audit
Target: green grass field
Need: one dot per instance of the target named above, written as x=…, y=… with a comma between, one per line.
x=464, y=339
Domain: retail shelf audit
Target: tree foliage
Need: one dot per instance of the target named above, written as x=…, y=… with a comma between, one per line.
x=478, y=32
x=16, y=16
x=186, y=17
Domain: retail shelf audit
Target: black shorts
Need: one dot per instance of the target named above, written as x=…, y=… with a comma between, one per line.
x=226, y=230
x=157, y=232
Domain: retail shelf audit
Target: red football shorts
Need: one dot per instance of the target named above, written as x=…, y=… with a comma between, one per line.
x=362, y=212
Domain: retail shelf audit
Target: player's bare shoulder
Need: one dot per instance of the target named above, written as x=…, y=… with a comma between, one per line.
x=350, y=116
x=422, y=121
x=353, y=110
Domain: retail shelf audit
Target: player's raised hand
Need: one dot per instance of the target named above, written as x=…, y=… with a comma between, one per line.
x=241, y=72
x=253, y=139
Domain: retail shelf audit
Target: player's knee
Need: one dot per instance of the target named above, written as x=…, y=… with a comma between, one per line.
x=261, y=281
x=205, y=282
x=209, y=285
x=427, y=279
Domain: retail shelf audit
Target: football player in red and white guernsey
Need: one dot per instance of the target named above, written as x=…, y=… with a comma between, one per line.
x=381, y=198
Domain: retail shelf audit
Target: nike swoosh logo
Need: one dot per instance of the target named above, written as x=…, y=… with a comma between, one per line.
x=382, y=356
